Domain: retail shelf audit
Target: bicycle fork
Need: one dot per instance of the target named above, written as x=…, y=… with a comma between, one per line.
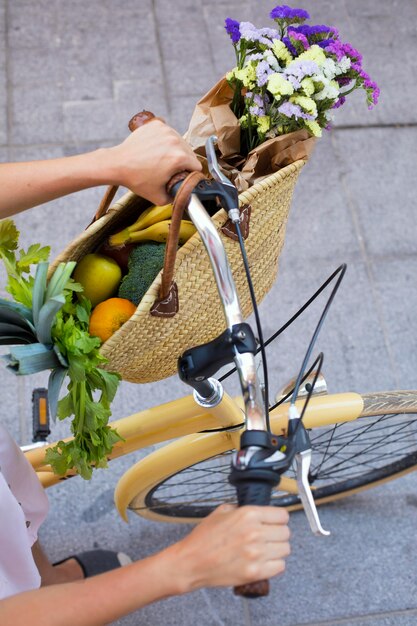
x=263, y=457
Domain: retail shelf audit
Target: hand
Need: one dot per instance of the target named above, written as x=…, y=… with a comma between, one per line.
x=148, y=158
x=233, y=546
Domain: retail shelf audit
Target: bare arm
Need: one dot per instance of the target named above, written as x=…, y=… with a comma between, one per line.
x=144, y=163
x=230, y=547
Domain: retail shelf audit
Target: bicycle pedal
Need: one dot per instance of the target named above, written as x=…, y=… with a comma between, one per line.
x=40, y=415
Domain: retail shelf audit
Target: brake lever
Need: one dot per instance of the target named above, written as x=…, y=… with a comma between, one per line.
x=303, y=460
x=302, y=449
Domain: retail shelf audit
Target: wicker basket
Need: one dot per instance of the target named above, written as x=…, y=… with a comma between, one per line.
x=146, y=348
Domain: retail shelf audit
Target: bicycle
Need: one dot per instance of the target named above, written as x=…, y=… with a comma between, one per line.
x=186, y=479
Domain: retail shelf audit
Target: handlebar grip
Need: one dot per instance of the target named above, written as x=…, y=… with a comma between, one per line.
x=174, y=183
x=140, y=119
x=259, y=589
x=256, y=493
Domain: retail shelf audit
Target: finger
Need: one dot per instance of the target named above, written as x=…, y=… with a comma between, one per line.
x=191, y=162
x=275, y=532
x=274, y=515
x=265, y=514
x=278, y=550
x=273, y=568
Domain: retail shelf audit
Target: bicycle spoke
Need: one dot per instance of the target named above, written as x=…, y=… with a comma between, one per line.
x=342, y=453
x=380, y=442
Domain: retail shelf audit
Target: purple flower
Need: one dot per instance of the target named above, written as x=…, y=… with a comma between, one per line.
x=352, y=53
x=340, y=50
x=324, y=43
x=263, y=70
x=339, y=102
x=315, y=33
x=255, y=56
x=272, y=33
x=232, y=29
x=290, y=46
x=294, y=110
x=257, y=105
x=343, y=80
x=372, y=90
x=301, y=38
x=301, y=69
x=263, y=35
x=289, y=14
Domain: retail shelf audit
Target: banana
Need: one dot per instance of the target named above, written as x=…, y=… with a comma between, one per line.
x=159, y=232
x=151, y=216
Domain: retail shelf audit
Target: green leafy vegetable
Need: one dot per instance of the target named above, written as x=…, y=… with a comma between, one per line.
x=93, y=437
x=46, y=316
x=19, y=286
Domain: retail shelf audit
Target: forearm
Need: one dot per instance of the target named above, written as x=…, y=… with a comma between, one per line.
x=144, y=162
x=232, y=546
x=97, y=600
x=25, y=185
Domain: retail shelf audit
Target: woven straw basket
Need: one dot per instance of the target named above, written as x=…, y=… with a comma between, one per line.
x=146, y=348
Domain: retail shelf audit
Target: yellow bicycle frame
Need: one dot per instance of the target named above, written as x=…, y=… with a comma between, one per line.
x=183, y=417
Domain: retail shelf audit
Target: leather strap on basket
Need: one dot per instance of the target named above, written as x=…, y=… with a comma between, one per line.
x=229, y=229
x=167, y=303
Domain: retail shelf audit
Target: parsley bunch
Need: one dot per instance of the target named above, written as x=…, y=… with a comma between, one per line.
x=93, y=437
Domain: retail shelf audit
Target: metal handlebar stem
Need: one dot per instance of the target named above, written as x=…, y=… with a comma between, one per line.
x=245, y=362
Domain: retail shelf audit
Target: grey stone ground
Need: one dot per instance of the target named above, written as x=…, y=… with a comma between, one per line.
x=72, y=73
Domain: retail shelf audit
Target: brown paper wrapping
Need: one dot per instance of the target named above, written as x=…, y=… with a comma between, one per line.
x=213, y=116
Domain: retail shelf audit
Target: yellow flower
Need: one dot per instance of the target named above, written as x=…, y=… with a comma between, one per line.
x=314, y=53
x=307, y=86
x=243, y=121
x=247, y=75
x=305, y=103
x=264, y=123
x=230, y=75
x=281, y=51
x=313, y=126
x=278, y=86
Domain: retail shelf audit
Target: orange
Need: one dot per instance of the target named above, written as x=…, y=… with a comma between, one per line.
x=109, y=316
x=99, y=276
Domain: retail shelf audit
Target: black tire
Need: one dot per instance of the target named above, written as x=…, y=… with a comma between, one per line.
x=348, y=457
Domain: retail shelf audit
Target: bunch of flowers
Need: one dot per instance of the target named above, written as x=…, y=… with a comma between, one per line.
x=292, y=76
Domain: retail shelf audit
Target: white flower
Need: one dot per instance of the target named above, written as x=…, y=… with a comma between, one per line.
x=329, y=69
x=343, y=65
x=330, y=90
x=272, y=61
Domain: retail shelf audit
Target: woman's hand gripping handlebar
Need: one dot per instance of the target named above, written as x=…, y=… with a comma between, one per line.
x=147, y=159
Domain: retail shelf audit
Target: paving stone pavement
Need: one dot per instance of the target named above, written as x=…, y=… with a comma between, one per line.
x=72, y=73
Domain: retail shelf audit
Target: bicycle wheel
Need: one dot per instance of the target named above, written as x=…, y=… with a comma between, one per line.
x=347, y=457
